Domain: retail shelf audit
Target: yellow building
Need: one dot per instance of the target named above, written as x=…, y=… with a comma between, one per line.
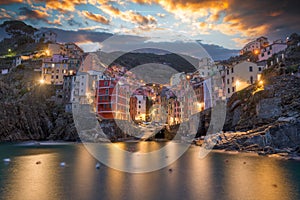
x=241, y=75
x=54, y=69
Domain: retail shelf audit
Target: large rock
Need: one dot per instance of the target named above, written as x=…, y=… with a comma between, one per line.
x=269, y=108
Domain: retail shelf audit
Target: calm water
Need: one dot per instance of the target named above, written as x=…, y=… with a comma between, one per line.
x=218, y=176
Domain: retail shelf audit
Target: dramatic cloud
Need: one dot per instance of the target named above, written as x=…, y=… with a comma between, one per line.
x=4, y=14
x=33, y=15
x=162, y=15
x=129, y=15
x=73, y=22
x=63, y=5
x=95, y=17
x=251, y=18
x=6, y=2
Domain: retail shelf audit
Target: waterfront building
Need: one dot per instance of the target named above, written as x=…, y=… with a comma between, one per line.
x=112, y=99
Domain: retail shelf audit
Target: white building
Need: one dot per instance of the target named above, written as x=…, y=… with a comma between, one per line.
x=255, y=46
x=45, y=36
x=84, y=87
x=268, y=51
x=241, y=75
x=206, y=67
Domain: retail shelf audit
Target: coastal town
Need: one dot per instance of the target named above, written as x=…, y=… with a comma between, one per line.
x=149, y=99
x=116, y=93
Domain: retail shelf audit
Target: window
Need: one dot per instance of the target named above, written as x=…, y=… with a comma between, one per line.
x=251, y=79
x=259, y=69
x=139, y=106
x=139, y=102
x=232, y=70
x=228, y=90
x=232, y=79
x=227, y=71
x=250, y=69
x=262, y=55
x=233, y=89
x=56, y=76
x=106, y=91
x=269, y=52
x=228, y=81
x=106, y=83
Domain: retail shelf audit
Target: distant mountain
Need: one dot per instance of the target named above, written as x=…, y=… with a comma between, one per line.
x=131, y=60
x=80, y=36
x=17, y=35
x=218, y=52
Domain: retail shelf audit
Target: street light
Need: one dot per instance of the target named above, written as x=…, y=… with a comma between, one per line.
x=42, y=81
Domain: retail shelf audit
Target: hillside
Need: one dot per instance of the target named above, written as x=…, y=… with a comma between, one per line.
x=20, y=38
x=27, y=111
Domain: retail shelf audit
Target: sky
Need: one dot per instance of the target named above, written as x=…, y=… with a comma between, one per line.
x=229, y=23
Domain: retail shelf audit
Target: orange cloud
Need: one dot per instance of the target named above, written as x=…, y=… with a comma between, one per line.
x=95, y=17
x=129, y=15
x=5, y=2
x=4, y=14
x=32, y=14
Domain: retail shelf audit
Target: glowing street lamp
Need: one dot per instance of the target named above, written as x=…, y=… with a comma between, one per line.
x=47, y=52
x=42, y=81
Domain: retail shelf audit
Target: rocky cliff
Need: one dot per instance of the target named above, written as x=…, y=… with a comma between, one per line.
x=28, y=110
x=266, y=121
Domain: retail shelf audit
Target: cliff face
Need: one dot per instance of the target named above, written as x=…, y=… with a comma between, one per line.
x=267, y=121
x=280, y=99
x=27, y=111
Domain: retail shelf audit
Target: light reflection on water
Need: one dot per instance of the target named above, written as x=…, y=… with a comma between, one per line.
x=217, y=176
